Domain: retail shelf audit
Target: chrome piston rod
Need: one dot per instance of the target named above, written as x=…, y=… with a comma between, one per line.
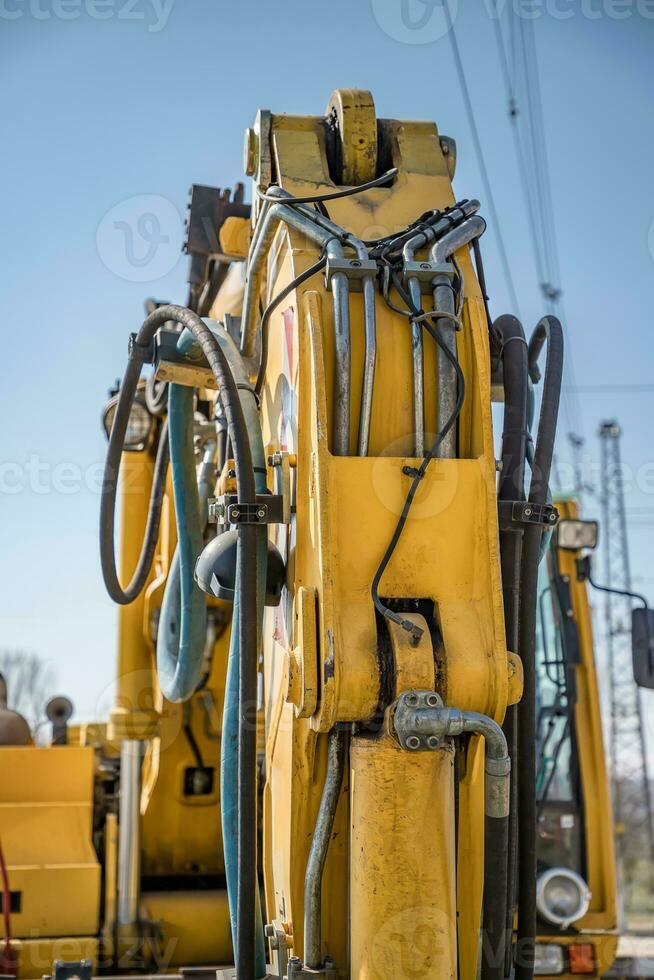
x=129, y=838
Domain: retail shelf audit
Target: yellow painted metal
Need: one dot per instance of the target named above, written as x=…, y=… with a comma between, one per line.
x=110, y=882
x=599, y=925
x=192, y=927
x=46, y=811
x=353, y=110
x=133, y=714
x=346, y=509
x=402, y=882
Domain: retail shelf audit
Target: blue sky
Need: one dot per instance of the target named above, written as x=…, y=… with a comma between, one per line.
x=110, y=100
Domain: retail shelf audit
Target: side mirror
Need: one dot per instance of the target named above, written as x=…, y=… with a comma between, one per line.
x=642, y=646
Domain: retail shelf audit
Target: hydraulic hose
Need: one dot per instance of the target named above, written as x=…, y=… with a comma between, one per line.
x=322, y=832
x=513, y=355
x=140, y=351
x=110, y=490
x=183, y=621
x=549, y=331
x=229, y=772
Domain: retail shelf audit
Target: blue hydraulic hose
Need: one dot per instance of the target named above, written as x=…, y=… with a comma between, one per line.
x=231, y=721
x=183, y=622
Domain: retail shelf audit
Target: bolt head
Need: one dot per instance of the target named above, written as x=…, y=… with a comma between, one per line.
x=433, y=741
x=411, y=699
x=424, y=265
x=433, y=700
x=527, y=511
x=261, y=513
x=355, y=263
x=413, y=742
x=236, y=513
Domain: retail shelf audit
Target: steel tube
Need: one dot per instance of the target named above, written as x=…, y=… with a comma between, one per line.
x=417, y=353
x=129, y=838
x=444, y=302
x=300, y=221
x=320, y=842
x=370, y=336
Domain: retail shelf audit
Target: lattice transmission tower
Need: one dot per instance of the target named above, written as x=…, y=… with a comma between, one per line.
x=632, y=796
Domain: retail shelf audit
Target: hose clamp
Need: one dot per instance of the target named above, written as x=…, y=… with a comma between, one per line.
x=516, y=515
x=142, y=353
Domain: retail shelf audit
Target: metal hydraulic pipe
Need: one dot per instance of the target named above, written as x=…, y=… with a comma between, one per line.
x=319, y=844
x=129, y=837
x=341, y=301
x=413, y=284
x=369, y=319
x=444, y=302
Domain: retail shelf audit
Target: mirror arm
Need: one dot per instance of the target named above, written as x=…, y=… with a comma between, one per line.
x=584, y=575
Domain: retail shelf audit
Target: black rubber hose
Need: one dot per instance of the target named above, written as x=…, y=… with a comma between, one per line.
x=513, y=354
x=110, y=490
x=247, y=584
x=493, y=946
x=500, y=851
x=548, y=330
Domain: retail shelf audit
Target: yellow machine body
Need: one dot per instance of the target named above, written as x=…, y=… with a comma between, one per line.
x=46, y=825
x=403, y=881
x=599, y=926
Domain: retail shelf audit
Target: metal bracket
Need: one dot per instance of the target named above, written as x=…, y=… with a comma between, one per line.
x=297, y=970
x=81, y=970
x=279, y=947
x=282, y=463
x=268, y=509
x=516, y=515
x=406, y=721
x=191, y=369
x=354, y=269
x=425, y=272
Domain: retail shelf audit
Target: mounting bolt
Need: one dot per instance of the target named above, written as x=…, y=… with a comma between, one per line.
x=261, y=513
x=356, y=263
x=552, y=517
x=424, y=265
x=413, y=742
x=432, y=700
x=236, y=513
x=411, y=699
x=433, y=741
x=527, y=511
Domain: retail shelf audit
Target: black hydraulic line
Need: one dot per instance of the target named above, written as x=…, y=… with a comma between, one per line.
x=333, y=195
x=549, y=331
x=272, y=305
x=417, y=474
x=121, y=595
x=508, y=331
x=493, y=945
x=140, y=351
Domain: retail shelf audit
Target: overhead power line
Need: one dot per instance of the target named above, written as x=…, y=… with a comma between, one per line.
x=524, y=100
x=480, y=159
